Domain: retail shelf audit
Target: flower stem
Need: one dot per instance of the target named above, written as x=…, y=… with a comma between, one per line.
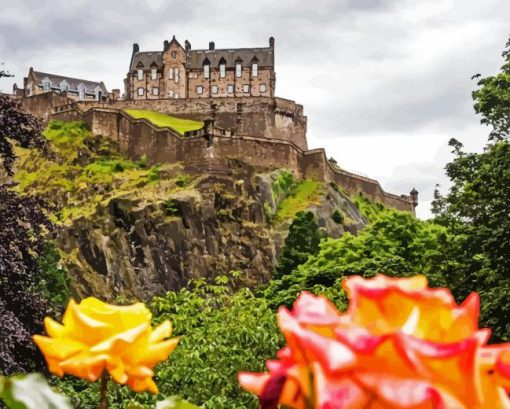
x=103, y=401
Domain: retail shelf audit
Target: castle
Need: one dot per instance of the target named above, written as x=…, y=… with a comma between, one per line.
x=178, y=72
x=232, y=91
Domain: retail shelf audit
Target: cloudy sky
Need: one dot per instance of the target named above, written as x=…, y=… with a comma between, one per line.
x=385, y=83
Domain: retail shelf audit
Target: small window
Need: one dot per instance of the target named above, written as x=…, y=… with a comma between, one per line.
x=154, y=73
x=246, y=88
x=206, y=70
x=200, y=90
x=214, y=89
x=262, y=87
x=140, y=75
x=140, y=91
x=230, y=88
x=171, y=93
x=29, y=89
x=155, y=91
x=222, y=71
x=176, y=75
x=174, y=54
x=254, y=69
x=171, y=73
x=239, y=70
x=176, y=95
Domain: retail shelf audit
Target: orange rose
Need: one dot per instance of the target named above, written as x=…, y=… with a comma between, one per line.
x=95, y=336
x=399, y=345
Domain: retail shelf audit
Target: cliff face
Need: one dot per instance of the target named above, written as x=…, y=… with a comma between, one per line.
x=138, y=248
x=125, y=230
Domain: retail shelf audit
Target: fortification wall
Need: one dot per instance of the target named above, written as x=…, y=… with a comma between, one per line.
x=214, y=146
x=262, y=117
x=41, y=105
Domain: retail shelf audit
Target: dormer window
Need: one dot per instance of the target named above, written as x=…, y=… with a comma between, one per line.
x=207, y=68
x=255, y=69
x=81, y=92
x=139, y=74
x=64, y=86
x=223, y=68
x=99, y=94
x=154, y=73
x=46, y=83
x=239, y=69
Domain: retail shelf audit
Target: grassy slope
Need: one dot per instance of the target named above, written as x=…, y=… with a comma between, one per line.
x=83, y=172
x=162, y=120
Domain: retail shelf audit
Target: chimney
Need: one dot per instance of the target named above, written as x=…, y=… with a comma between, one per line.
x=271, y=42
x=187, y=45
x=211, y=46
x=136, y=48
x=165, y=45
x=116, y=94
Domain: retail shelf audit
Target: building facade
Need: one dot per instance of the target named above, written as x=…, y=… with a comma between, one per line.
x=37, y=82
x=180, y=72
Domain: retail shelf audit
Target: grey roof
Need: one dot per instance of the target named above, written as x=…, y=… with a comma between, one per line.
x=90, y=86
x=146, y=58
x=265, y=57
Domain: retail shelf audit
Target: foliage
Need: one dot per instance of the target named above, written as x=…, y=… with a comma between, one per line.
x=492, y=100
x=282, y=185
x=303, y=195
x=30, y=392
x=22, y=308
x=53, y=280
x=396, y=243
x=302, y=241
x=17, y=126
x=222, y=332
x=161, y=120
x=337, y=216
x=476, y=209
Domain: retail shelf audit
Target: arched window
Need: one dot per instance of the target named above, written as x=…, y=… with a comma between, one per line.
x=207, y=68
x=223, y=67
x=254, y=67
x=139, y=71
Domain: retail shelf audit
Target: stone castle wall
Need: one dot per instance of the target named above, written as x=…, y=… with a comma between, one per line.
x=214, y=147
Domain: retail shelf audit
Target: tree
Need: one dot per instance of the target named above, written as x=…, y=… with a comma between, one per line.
x=476, y=209
x=303, y=240
x=492, y=100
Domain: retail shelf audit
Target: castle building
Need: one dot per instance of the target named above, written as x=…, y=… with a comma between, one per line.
x=37, y=82
x=180, y=72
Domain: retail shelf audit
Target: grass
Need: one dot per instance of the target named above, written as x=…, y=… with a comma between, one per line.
x=306, y=193
x=162, y=120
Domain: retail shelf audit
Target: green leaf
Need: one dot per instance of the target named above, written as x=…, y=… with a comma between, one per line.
x=174, y=402
x=31, y=392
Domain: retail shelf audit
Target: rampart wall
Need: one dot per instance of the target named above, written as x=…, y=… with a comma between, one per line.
x=214, y=145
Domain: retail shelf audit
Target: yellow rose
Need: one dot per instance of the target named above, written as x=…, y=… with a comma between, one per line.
x=95, y=336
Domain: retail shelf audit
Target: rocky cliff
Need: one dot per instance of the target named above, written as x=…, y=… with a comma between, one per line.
x=126, y=229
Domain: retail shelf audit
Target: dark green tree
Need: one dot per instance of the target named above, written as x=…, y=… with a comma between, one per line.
x=302, y=241
x=476, y=209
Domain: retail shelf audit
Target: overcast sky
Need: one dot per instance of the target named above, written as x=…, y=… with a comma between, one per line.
x=385, y=83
